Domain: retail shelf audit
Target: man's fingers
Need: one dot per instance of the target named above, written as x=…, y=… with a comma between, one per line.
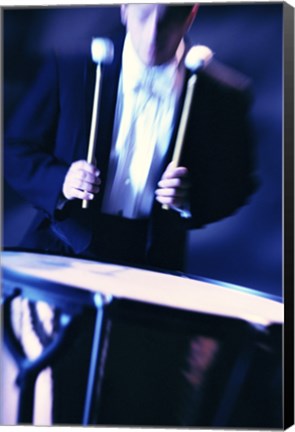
x=83, y=195
x=72, y=192
x=82, y=181
x=84, y=172
x=83, y=185
x=171, y=196
x=171, y=193
x=171, y=201
x=174, y=172
x=85, y=166
x=174, y=183
x=173, y=188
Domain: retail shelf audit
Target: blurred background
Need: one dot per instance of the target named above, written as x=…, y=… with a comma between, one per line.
x=244, y=249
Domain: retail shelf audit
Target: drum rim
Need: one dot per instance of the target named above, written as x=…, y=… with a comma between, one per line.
x=223, y=284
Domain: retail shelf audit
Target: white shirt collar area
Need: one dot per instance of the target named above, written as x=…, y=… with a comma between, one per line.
x=164, y=78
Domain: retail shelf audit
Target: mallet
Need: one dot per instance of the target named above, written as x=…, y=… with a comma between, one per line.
x=102, y=51
x=196, y=59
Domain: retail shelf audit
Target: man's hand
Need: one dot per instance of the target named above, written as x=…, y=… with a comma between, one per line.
x=82, y=181
x=173, y=188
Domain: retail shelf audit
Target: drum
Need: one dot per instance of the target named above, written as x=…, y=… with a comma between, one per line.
x=164, y=350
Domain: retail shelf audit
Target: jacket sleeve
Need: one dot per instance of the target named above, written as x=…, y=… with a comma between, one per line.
x=220, y=149
x=30, y=166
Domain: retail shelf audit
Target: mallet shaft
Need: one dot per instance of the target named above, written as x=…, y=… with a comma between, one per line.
x=183, y=123
x=184, y=119
x=93, y=130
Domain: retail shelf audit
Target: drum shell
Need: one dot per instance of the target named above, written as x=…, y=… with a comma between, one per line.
x=165, y=367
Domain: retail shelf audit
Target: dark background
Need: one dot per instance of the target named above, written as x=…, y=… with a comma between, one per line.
x=244, y=249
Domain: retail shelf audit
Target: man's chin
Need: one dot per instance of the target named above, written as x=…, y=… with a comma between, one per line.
x=154, y=60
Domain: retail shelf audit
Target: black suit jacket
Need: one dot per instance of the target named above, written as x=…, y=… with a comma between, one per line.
x=51, y=130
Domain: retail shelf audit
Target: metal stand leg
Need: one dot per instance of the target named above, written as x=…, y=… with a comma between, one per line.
x=29, y=369
x=26, y=398
x=233, y=388
x=100, y=302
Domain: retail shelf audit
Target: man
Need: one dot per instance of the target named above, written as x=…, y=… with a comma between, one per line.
x=49, y=138
x=45, y=153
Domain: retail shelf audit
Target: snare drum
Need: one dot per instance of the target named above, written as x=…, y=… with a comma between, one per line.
x=169, y=350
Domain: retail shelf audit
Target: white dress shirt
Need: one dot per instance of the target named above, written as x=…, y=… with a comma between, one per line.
x=144, y=119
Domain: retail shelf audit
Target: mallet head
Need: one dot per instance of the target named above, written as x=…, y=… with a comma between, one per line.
x=198, y=57
x=102, y=50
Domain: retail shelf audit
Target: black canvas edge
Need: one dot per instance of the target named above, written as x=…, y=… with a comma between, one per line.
x=288, y=215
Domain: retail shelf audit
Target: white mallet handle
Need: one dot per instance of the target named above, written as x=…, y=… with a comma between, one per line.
x=197, y=58
x=184, y=118
x=102, y=50
x=93, y=130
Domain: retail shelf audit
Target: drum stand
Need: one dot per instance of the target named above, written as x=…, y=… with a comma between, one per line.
x=100, y=303
x=30, y=369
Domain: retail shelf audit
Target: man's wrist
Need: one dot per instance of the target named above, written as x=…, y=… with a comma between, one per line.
x=61, y=202
x=184, y=211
